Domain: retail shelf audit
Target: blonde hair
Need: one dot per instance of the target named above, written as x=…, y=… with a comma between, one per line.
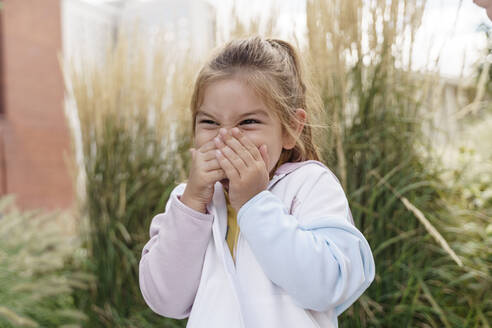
x=272, y=68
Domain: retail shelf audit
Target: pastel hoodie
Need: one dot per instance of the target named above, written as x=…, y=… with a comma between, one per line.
x=300, y=261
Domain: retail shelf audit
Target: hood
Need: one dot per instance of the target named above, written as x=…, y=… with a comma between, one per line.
x=287, y=168
x=291, y=166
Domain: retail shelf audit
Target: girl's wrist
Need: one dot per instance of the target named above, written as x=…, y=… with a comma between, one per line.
x=193, y=203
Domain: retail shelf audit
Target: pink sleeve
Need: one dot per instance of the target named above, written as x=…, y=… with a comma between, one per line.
x=172, y=260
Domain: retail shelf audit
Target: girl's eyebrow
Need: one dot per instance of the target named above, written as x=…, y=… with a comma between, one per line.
x=258, y=111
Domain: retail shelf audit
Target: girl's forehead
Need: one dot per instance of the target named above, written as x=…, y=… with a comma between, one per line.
x=233, y=98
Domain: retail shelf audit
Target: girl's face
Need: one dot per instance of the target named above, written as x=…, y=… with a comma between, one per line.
x=232, y=103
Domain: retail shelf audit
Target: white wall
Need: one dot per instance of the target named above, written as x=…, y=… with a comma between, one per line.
x=89, y=27
x=180, y=24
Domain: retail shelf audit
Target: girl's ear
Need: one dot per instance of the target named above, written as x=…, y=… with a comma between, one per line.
x=297, y=125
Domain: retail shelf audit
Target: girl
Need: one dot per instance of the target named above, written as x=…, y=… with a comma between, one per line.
x=261, y=235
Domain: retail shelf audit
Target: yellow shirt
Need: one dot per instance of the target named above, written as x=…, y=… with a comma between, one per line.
x=232, y=231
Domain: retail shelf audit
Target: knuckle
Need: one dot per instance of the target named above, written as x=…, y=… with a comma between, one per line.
x=254, y=151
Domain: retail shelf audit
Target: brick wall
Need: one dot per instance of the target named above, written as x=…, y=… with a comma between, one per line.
x=33, y=126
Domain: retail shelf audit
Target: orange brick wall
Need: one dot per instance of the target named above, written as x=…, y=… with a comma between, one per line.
x=33, y=127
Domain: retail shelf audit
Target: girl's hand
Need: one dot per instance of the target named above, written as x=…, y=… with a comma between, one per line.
x=204, y=173
x=244, y=164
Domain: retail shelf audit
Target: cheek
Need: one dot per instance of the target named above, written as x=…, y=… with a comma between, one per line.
x=259, y=138
x=256, y=137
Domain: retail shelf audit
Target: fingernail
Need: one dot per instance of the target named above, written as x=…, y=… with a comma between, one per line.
x=236, y=130
x=223, y=131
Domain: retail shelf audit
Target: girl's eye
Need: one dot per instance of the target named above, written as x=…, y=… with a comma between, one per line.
x=250, y=121
x=207, y=122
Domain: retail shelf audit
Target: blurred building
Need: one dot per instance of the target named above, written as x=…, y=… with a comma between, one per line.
x=34, y=137
x=90, y=26
x=35, y=142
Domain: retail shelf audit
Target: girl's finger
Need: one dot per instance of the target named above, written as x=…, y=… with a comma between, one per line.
x=216, y=175
x=208, y=146
x=235, y=160
x=211, y=165
x=229, y=169
x=244, y=140
x=209, y=155
x=238, y=148
x=264, y=155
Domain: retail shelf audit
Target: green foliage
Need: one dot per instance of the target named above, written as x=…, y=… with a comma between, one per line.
x=36, y=278
x=128, y=182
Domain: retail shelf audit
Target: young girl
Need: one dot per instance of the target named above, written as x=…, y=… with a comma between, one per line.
x=261, y=235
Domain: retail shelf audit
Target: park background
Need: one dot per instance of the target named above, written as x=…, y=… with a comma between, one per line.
x=94, y=134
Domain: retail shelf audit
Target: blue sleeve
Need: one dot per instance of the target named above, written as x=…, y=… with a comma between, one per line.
x=323, y=263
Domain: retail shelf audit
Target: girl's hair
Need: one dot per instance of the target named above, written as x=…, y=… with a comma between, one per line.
x=273, y=69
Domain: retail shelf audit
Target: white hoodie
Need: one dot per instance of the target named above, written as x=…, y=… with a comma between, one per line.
x=300, y=261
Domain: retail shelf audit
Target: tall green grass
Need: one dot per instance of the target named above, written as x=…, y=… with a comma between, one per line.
x=134, y=140
x=377, y=146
